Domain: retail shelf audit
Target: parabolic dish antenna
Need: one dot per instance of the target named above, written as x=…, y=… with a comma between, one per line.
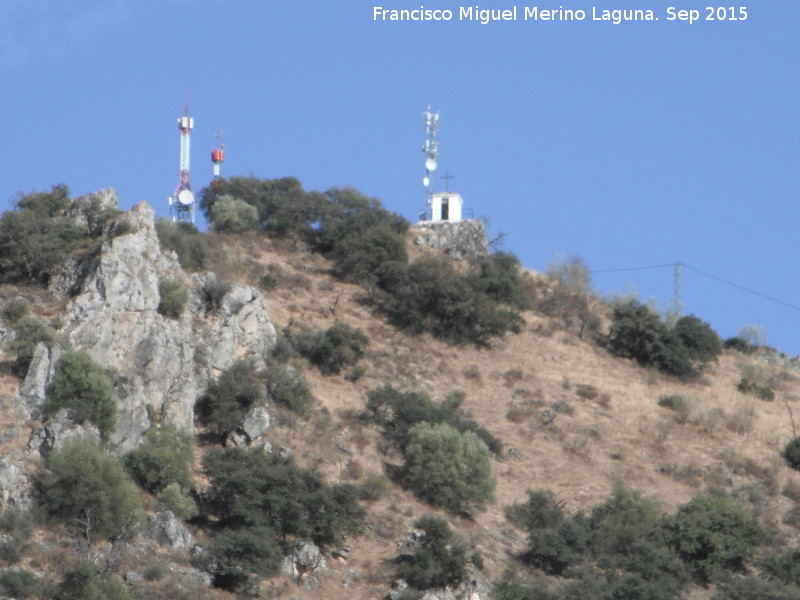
x=430, y=164
x=185, y=197
x=426, y=181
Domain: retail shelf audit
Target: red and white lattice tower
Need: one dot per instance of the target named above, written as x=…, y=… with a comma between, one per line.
x=181, y=203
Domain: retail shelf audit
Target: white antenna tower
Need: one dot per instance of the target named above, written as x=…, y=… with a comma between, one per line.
x=181, y=203
x=431, y=149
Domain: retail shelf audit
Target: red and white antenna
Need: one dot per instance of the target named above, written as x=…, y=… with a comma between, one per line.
x=181, y=203
x=218, y=155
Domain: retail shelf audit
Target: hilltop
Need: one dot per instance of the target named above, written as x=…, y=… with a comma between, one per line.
x=571, y=418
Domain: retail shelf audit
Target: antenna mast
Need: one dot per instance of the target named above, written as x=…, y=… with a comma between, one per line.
x=218, y=155
x=431, y=150
x=181, y=203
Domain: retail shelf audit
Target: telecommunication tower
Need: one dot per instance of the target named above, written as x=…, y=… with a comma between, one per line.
x=440, y=206
x=431, y=149
x=181, y=203
x=218, y=155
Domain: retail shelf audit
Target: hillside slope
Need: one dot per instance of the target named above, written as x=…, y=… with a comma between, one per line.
x=572, y=418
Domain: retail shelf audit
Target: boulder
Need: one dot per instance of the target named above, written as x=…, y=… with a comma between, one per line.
x=169, y=532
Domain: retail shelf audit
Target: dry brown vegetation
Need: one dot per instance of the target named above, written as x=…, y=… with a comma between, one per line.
x=573, y=419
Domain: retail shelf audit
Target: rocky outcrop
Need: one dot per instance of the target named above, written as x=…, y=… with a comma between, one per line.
x=460, y=240
x=161, y=365
x=302, y=559
x=168, y=531
x=84, y=211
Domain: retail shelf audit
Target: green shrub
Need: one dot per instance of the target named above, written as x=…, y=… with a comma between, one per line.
x=448, y=468
x=227, y=400
x=85, y=389
x=436, y=561
x=639, y=333
x=555, y=542
x=284, y=208
x=541, y=511
x=430, y=295
x=19, y=583
x=740, y=345
x=36, y=238
x=372, y=487
x=497, y=277
x=397, y=412
x=754, y=383
x=177, y=500
x=88, y=491
x=213, y=293
x=702, y=342
x=289, y=388
x=164, y=457
x=357, y=258
x=679, y=404
x=755, y=588
x=624, y=519
x=87, y=582
x=185, y=240
x=237, y=555
x=713, y=533
x=256, y=489
x=791, y=453
x=232, y=215
x=510, y=590
x=18, y=527
x=173, y=296
x=29, y=331
x=556, y=549
x=268, y=282
x=14, y=310
x=333, y=349
x=783, y=567
x=155, y=572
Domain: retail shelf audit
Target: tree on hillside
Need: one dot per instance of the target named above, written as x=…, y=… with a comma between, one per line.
x=257, y=489
x=86, y=390
x=36, y=238
x=233, y=215
x=448, y=468
x=638, y=332
x=228, y=399
x=436, y=561
x=88, y=491
x=165, y=457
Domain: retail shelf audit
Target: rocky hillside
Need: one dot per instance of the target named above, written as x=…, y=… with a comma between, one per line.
x=570, y=417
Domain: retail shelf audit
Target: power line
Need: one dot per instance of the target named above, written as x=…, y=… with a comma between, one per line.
x=632, y=269
x=678, y=264
x=743, y=288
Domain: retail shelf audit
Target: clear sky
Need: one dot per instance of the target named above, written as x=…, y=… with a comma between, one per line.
x=636, y=144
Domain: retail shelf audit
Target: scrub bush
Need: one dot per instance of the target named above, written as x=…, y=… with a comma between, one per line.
x=86, y=390
x=448, y=468
x=173, y=296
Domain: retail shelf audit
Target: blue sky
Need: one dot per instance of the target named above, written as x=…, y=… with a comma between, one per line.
x=632, y=145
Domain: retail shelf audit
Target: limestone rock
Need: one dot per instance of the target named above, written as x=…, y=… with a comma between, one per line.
x=59, y=431
x=161, y=364
x=303, y=557
x=82, y=209
x=460, y=240
x=15, y=486
x=169, y=532
x=40, y=371
x=256, y=422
